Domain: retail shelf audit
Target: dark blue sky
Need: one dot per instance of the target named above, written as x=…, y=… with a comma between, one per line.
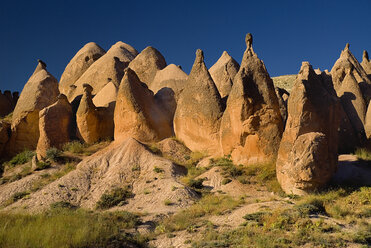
x=285, y=32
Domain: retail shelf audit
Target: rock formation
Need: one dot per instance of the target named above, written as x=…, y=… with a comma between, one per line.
x=136, y=113
x=147, y=64
x=282, y=96
x=93, y=123
x=251, y=126
x=366, y=64
x=307, y=157
x=172, y=77
x=198, y=114
x=368, y=122
x=108, y=68
x=5, y=105
x=106, y=96
x=83, y=59
x=4, y=135
x=54, y=125
x=40, y=91
x=223, y=73
x=348, y=64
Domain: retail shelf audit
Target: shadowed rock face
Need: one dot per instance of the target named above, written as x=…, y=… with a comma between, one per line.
x=307, y=157
x=136, y=114
x=197, y=117
x=93, y=123
x=368, y=122
x=251, y=126
x=54, y=125
x=353, y=88
x=172, y=77
x=83, y=59
x=223, y=73
x=147, y=64
x=40, y=91
x=4, y=135
x=366, y=64
x=109, y=68
x=7, y=102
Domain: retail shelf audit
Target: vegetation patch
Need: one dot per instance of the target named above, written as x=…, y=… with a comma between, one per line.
x=363, y=154
x=21, y=158
x=66, y=228
x=41, y=165
x=54, y=154
x=116, y=196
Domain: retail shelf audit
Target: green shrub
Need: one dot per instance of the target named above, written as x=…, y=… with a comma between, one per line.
x=53, y=154
x=154, y=149
x=196, y=183
x=314, y=206
x=158, y=170
x=41, y=165
x=74, y=147
x=115, y=197
x=22, y=158
x=62, y=205
x=168, y=203
x=363, y=154
x=226, y=181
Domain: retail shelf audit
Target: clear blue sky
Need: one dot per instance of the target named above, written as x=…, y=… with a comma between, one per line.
x=285, y=32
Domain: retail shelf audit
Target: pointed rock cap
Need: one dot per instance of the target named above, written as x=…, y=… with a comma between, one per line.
x=248, y=40
x=199, y=56
x=40, y=66
x=365, y=56
x=346, y=46
x=87, y=88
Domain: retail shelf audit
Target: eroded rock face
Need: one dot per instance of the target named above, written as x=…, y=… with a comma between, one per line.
x=4, y=135
x=368, y=122
x=106, y=96
x=307, y=157
x=109, y=68
x=282, y=96
x=83, y=59
x=55, y=126
x=93, y=123
x=147, y=64
x=251, y=126
x=40, y=91
x=172, y=77
x=351, y=84
x=136, y=114
x=223, y=73
x=366, y=64
x=199, y=110
x=6, y=105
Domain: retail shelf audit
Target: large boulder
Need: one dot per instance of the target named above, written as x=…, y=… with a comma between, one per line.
x=172, y=77
x=147, y=64
x=93, y=124
x=40, y=91
x=108, y=68
x=136, y=114
x=54, y=125
x=251, y=126
x=83, y=59
x=223, y=73
x=307, y=157
x=366, y=64
x=199, y=110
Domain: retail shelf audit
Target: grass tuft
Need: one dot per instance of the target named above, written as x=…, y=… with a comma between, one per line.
x=115, y=197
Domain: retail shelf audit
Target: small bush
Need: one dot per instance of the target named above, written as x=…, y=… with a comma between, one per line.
x=168, y=203
x=40, y=165
x=22, y=158
x=158, y=170
x=226, y=181
x=62, y=205
x=154, y=149
x=312, y=206
x=74, y=147
x=53, y=154
x=114, y=197
x=19, y=195
x=363, y=154
x=196, y=183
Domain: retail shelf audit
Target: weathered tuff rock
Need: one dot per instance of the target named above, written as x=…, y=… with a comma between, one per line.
x=106, y=96
x=223, y=73
x=307, y=157
x=125, y=163
x=147, y=64
x=93, y=123
x=83, y=59
x=366, y=64
x=136, y=114
x=251, y=126
x=40, y=91
x=172, y=77
x=368, y=122
x=348, y=64
x=282, y=96
x=6, y=104
x=54, y=125
x=4, y=135
x=108, y=68
x=199, y=110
